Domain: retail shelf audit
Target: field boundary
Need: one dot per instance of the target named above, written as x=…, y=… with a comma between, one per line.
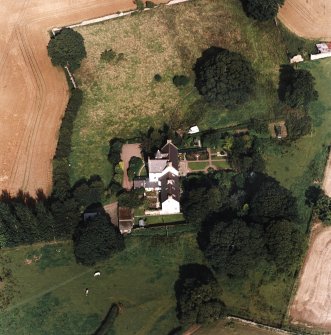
x=113, y=16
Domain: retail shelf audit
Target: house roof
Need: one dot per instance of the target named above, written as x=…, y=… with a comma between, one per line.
x=172, y=152
x=156, y=165
x=170, y=187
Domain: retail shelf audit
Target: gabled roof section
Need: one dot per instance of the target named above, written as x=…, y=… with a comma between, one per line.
x=170, y=187
x=172, y=151
x=156, y=165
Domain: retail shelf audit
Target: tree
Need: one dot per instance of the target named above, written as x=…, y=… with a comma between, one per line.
x=262, y=10
x=197, y=293
x=296, y=87
x=298, y=123
x=67, y=49
x=272, y=201
x=96, y=240
x=224, y=77
x=234, y=247
x=131, y=199
x=285, y=243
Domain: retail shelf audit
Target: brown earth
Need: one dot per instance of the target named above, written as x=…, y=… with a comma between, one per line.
x=312, y=303
x=33, y=93
x=308, y=18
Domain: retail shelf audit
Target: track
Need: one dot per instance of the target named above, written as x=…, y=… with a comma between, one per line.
x=33, y=93
x=308, y=18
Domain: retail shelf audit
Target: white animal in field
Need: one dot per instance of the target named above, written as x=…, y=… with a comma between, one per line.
x=86, y=291
x=97, y=273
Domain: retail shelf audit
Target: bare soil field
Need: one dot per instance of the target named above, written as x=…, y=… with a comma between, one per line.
x=33, y=93
x=307, y=18
x=312, y=303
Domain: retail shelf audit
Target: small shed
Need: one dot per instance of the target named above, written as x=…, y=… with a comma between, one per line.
x=194, y=130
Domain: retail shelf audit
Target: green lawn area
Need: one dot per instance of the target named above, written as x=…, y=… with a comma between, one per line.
x=197, y=165
x=296, y=166
x=122, y=98
x=221, y=164
x=52, y=291
x=157, y=219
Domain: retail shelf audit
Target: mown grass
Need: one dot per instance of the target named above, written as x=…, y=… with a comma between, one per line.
x=122, y=97
x=221, y=164
x=298, y=165
x=52, y=298
x=158, y=219
x=197, y=165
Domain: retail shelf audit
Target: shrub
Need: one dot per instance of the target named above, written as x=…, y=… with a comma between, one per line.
x=157, y=77
x=180, y=80
x=150, y=4
x=107, y=55
x=140, y=4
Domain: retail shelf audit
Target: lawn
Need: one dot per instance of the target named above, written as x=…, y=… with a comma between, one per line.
x=52, y=290
x=157, y=219
x=122, y=98
x=221, y=164
x=197, y=165
x=296, y=166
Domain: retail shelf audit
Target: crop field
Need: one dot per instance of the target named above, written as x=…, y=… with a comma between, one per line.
x=122, y=98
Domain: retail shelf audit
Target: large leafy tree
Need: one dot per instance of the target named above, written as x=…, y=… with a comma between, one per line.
x=197, y=293
x=296, y=87
x=96, y=240
x=234, y=246
x=224, y=77
x=284, y=239
x=272, y=201
x=262, y=10
x=67, y=48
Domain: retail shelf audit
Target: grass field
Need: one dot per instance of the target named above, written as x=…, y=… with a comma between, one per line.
x=122, y=97
x=296, y=166
x=52, y=290
x=221, y=164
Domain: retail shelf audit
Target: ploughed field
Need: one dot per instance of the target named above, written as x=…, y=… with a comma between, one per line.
x=307, y=18
x=33, y=93
x=312, y=302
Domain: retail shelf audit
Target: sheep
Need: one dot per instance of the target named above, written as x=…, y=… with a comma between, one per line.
x=86, y=291
x=97, y=273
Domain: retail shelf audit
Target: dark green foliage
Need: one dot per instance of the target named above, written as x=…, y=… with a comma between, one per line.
x=115, y=149
x=150, y=4
x=204, y=194
x=180, y=80
x=88, y=192
x=224, y=77
x=131, y=199
x=140, y=4
x=109, y=320
x=197, y=295
x=296, y=87
x=108, y=55
x=96, y=240
x=322, y=207
x=158, y=77
x=283, y=240
x=67, y=49
x=271, y=201
x=298, y=124
x=262, y=10
x=134, y=166
x=234, y=247
x=244, y=155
